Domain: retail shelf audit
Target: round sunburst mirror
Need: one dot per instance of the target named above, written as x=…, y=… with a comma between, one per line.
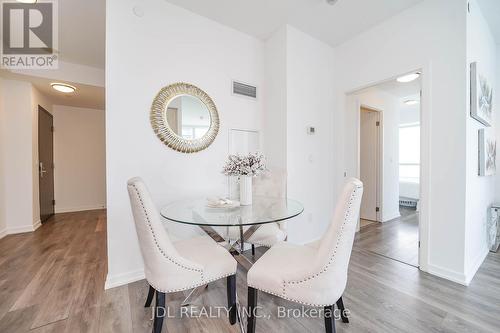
x=184, y=117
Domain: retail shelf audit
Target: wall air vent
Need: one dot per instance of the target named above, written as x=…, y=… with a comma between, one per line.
x=243, y=89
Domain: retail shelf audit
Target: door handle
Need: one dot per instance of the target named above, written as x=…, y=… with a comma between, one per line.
x=42, y=170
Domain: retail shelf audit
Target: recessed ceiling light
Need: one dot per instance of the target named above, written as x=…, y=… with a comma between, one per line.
x=331, y=2
x=27, y=1
x=408, y=77
x=63, y=87
x=411, y=102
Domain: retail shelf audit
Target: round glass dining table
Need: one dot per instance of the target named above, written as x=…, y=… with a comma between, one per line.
x=246, y=218
x=263, y=210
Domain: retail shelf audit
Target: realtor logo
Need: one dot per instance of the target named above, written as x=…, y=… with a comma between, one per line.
x=29, y=35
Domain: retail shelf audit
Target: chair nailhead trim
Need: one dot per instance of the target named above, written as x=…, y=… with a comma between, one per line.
x=288, y=298
x=192, y=286
x=156, y=242
x=347, y=215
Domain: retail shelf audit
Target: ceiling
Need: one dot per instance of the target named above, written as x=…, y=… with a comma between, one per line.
x=82, y=36
x=491, y=10
x=401, y=90
x=331, y=24
x=82, y=32
x=85, y=96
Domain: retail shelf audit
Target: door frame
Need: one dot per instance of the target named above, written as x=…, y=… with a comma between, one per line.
x=380, y=153
x=41, y=109
x=425, y=151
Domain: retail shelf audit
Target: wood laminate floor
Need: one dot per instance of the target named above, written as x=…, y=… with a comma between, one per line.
x=52, y=280
x=396, y=239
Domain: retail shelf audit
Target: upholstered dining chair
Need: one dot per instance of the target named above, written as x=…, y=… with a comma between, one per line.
x=270, y=184
x=314, y=274
x=176, y=266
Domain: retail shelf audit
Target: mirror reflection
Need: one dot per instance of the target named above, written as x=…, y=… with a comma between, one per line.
x=188, y=117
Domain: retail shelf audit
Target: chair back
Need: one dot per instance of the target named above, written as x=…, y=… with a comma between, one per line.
x=156, y=247
x=271, y=183
x=335, y=246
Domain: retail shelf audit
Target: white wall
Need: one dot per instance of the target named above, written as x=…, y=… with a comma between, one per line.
x=274, y=119
x=3, y=222
x=496, y=109
x=388, y=105
x=79, y=158
x=480, y=191
x=430, y=35
x=167, y=45
x=18, y=156
x=310, y=102
x=21, y=207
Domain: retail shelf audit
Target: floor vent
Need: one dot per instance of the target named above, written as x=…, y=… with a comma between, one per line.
x=244, y=89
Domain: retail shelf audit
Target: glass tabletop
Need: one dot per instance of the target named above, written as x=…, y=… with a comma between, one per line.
x=263, y=210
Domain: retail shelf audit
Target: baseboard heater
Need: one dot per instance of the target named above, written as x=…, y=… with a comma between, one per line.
x=408, y=202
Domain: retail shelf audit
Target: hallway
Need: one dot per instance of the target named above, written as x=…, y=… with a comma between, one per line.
x=396, y=239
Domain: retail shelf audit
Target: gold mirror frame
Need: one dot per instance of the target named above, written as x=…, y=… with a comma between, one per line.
x=166, y=134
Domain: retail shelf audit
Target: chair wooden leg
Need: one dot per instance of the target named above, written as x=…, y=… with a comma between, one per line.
x=253, y=250
x=160, y=312
x=329, y=319
x=151, y=294
x=252, y=304
x=231, y=298
x=340, y=306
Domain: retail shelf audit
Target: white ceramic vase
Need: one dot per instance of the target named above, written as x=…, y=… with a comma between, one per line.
x=245, y=190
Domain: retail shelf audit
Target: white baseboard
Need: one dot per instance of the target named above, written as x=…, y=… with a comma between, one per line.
x=37, y=225
x=123, y=279
x=20, y=229
x=392, y=216
x=461, y=278
x=447, y=274
x=3, y=233
x=79, y=208
x=471, y=272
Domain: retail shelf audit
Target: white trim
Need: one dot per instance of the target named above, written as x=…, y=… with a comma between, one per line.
x=447, y=274
x=390, y=217
x=123, y=279
x=425, y=154
x=471, y=272
x=37, y=225
x=424, y=203
x=79, y=208
x=20, y=230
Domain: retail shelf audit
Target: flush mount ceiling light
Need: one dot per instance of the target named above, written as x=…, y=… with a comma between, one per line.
x=63, y=87
x=411, y=102
x=27, y=1
x=408, y=77
x=331, y=2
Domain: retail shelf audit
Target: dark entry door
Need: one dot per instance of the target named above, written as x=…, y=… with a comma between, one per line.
x=46, y=163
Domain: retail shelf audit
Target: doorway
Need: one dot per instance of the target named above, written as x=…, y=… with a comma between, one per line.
x=46, y=163
x=388, y=164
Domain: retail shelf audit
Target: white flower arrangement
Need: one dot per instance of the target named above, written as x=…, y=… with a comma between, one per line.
x=245, y=165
